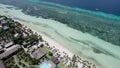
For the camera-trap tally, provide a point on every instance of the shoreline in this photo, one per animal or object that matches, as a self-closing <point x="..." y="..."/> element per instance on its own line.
<point x="57" y="45"/>
<point x="49" y="40"/>
<point x="100" y="60"/>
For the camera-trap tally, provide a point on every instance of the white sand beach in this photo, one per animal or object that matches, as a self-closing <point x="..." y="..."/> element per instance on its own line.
<point x="49" y="40"/>
<point x="91" y="48"/>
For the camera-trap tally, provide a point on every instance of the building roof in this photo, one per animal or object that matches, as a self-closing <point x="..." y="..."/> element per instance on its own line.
<point x="3" y="22"/>
<point x="38" y="54"/>
<point x="6" y="27"/>
<point x="9" y="51"/>
<point x="22" y="30"/>
<point x="55" y="60"/>
<point x="9" y="44"/>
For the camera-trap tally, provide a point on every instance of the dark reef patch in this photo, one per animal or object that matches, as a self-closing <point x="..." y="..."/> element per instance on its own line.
<point x="96" y="50"/>
<point x="104" y="28"/>
<point x="9" y="7"/>
<point x="81" y="41"/>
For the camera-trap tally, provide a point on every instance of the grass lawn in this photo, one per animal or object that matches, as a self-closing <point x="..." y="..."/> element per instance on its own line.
<point x="10" y="63"/>
<point x="61" y="65"/>
<point x="44" y="49"/>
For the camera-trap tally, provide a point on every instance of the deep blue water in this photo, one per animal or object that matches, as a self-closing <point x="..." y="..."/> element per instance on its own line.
<point x="107" y="6"/>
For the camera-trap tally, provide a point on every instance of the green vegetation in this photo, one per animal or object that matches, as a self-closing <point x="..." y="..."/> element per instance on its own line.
<point x="40" y="38"/>
<point x="10" y="63"/>
<point x="24" y="57"/>
<point x="61" y="65"/>
<point x="9" y="33"/>
<point x="50" y="53"/>
<point x="18" y="40"/>
<point x="74" y="60"/>
<point x="30" y="39"/>
<point x="15" y="30"/>
<point x="19" y="58"/>
<point x="18" y="23"/>
<point x="42" y="45"/>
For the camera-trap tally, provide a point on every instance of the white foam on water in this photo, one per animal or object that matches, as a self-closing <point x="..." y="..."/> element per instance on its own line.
<point x="76" y="41"/>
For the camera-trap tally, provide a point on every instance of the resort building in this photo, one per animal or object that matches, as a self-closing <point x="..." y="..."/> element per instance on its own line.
<point x="3" y="22"/>
<point x="8" y="45"/>
<point x="38" y="54"/>
<point x="9" y="51"/>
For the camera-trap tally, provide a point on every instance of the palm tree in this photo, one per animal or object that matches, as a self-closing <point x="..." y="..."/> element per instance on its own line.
<point x="74" y="60"/>
<point x="40" y="38"/>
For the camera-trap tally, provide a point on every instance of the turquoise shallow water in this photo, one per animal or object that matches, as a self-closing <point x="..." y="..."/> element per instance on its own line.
<point x="89" y="47"/>
<point x="107" y="6"/>
<point x="99" y="13"/>
<point x="78" y="20"/>
<point x="83" y="20"/>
